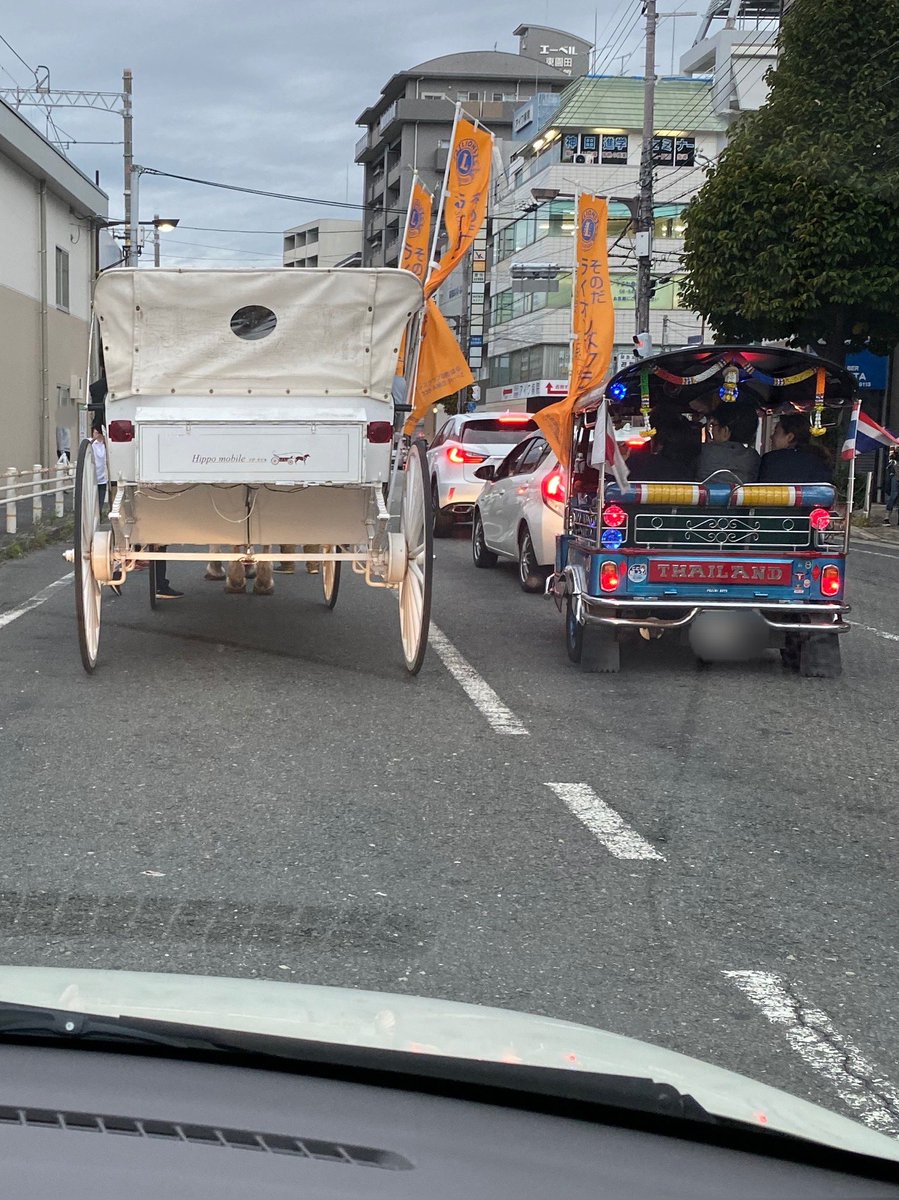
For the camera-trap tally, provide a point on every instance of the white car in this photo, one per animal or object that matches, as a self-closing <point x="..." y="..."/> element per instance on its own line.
<point x="465" y="443"/>
<point x="520" y="511"/>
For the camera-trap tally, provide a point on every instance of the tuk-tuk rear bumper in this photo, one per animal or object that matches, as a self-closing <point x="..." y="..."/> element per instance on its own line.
<point x="807" y="616"/>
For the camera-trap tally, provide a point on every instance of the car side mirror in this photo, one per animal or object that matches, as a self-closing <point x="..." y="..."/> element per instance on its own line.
<point x="487" y="472"/>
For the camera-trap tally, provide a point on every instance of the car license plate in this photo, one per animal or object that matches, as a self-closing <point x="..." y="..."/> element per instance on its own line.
<point x="697" y="571"/>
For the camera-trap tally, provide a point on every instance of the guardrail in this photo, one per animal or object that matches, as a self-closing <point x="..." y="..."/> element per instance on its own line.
<point x="43" y="482"/>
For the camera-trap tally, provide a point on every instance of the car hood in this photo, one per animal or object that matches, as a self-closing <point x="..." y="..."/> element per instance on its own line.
<point x="351" y="1017"/>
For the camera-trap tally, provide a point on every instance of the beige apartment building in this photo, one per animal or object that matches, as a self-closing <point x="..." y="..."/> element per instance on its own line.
<point x="51" y="214"/>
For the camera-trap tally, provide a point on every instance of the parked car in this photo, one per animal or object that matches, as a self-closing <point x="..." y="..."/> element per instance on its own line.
<point x="519" y="512"/>
<point x="465" y="443"/>
<point x="521" y="508"/>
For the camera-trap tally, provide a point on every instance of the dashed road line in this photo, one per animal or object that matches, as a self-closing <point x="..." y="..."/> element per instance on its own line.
<point x="890" y="637"/>
<point x="478" y="690"/>
<point x="812" y="1035"/>
<point x="34" y="601"/>
<point x="877" y="553"/>
<point x="606" y="824"/>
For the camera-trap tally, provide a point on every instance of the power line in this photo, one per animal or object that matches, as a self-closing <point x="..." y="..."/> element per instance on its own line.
<point x="233" y="187"/>
<point x="18" y="55"/>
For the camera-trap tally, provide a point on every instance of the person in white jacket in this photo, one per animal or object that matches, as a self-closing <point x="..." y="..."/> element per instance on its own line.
<point x="98" y="445"/>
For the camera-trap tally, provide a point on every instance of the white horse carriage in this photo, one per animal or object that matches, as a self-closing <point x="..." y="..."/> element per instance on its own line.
<point x="255" y="409"/>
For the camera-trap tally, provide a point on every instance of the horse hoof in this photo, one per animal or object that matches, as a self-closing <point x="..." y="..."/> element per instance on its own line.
<point x="263" y="589"/>
<point x="215" y="576"/>
<point x="232" y="590"/>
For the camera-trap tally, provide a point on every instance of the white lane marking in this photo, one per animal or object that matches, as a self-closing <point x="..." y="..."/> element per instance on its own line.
<point x="481" y="694"/>
<point x="876" y="553"/>
<point x="35" y="601"/>
<point x="812" y="1035"/>
<point x="602" y="820"/>
<point x="890" y="637"/>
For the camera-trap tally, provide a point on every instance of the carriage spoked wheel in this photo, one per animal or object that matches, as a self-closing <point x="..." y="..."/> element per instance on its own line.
<point x="417" y="529"/>
<point x="330" y="577"/>
<point x="87" y="589"/>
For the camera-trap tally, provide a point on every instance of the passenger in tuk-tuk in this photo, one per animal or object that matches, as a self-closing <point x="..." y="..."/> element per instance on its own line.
<point x="795" y="457"/>
<point x="732" y="429"/>
<point x="673" y="456"/>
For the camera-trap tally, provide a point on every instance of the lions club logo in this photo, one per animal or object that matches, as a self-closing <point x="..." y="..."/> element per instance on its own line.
<point x="589" y="222"/>
<point x="467" y="158"/>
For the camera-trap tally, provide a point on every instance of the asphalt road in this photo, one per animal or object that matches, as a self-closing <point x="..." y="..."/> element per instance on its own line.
<point x="253" y="786"/>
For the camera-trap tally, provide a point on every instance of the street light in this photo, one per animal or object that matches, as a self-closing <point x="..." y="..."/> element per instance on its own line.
<point x="160" y="225"/>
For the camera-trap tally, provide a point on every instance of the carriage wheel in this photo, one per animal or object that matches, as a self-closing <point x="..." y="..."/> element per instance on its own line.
<point x="417" y="528"/>
<point x="87" y="590"/>
<point x="330" y="577"/>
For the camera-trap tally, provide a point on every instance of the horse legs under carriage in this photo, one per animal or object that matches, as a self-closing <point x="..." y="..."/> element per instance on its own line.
<point x="258" y="404"/>
<point x="235" y="579"/>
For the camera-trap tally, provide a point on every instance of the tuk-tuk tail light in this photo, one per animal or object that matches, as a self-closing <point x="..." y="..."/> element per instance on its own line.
<point x="613" y="516"/>
<point x="831" y="581"/>
<point x="609" y="576"/>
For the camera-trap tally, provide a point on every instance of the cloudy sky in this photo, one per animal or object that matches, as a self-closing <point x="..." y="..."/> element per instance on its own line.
<point x="265" y="94"/>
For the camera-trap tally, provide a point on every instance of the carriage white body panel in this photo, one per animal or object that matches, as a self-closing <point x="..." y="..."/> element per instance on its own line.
<point x="250" y="452"/>
<point x="336" y="332"/>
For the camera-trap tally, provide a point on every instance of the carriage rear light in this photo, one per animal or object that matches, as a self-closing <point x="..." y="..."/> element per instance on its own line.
<point x="457" y="455"/>
<point x="515" y="419"/>
<point x="609" y="576"/>
<point x="121" y="431"/>
<point x="614" y="516"/>
<point x="552" y="489"/>
<point x="830" y="580"/>
<point x="819" y="519"/>
<point x="379" y="432"/>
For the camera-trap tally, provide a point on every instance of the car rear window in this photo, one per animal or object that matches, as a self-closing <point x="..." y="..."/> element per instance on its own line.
<point x="496" y="431"/>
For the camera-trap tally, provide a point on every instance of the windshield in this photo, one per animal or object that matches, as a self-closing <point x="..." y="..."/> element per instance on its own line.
<point x="317" y="670"/>
<point x="499" y="432"/>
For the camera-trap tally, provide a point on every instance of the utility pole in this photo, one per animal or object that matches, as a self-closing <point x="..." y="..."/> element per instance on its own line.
<point x="645" y="221"/>
<point x="130" y="248"/>
<point x="156" y="239"/>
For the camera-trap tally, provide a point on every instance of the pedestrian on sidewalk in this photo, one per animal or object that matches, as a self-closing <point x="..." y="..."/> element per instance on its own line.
<point x="63" y="443"/>
<point x="98" y="445"/>
<point x="892" y="483"/>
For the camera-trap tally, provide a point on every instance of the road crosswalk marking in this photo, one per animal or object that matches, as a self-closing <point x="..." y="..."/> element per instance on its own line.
<point x="602" y="820"/>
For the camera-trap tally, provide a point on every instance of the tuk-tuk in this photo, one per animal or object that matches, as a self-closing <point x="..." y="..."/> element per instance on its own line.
<point x="734" y="567"/>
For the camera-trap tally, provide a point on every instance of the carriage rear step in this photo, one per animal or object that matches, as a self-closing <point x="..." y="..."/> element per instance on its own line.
<point x="243" y="452"/>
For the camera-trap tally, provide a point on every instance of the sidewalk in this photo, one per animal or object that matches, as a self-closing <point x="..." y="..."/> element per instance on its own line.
<point x="29" y="535"/>
<point x="877" y="531"/>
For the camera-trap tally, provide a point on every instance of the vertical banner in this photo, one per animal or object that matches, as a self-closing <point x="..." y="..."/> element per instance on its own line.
<point x="592" y="323"/>
<point x="464" y="201"/>
<point x="442" y="368"/>
<point x="417" y="238"/>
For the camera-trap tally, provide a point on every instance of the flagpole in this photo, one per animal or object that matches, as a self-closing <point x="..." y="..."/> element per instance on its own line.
<point x="446" y="170"/>
<point x="408" y="214"/>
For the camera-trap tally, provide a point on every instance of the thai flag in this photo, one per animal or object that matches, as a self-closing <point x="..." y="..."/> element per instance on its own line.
<point x="865" y="435"/>
<point x="606" y="452"/>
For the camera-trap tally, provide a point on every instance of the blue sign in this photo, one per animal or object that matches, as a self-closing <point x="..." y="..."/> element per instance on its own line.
<point x="870" y="370"/>
<point x="476" y="339"/>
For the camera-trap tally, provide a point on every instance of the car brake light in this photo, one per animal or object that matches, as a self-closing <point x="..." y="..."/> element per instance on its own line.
<point x="614" y="516"/>
<point x="830" y="580"/>
<point x="379" y="432"/>
<point x="457" y="455"/>
<point x="819" y="519"/>
<point x="121" y="431"/>
<point x="515" y="419"/>
<point x="609" y="576"/>
<point x="552" y="488"/>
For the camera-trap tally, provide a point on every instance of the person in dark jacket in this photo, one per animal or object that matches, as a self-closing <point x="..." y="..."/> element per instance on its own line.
<point x="673" y="457"/>
<point x="794" y="458"/>
<point x="732" y="429"/>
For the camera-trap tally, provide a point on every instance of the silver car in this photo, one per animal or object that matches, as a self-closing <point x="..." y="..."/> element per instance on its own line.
<point x="465" y="443"/>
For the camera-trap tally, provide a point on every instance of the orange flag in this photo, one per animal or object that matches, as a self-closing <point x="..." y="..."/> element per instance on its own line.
<point x="442" y="368"/>
<point x="414" y="257"/>
<point x="593" y="324"/>
<point x="465" y="203"/>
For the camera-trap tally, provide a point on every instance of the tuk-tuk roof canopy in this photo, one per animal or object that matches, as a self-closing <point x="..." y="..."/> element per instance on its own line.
<point x="772" y="377"/>
<point x="297" y="331"/>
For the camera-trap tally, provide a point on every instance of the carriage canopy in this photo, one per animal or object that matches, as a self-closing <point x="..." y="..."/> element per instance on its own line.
<point x="280" y="332"/>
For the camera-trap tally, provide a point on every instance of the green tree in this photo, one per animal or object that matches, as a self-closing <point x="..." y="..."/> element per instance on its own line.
<point x="795" y="233"/>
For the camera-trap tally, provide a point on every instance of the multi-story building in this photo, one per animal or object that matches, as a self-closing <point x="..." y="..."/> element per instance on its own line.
<point x="48" y="254"/>
<point x="324" y="243"/>
<point x="592" y="142"/>
<point x="410" y="125"/>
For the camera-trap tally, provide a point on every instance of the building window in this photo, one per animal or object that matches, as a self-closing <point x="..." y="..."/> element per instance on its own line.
<point x="433" y="96"/>
<point x="312" y="261"/>
<point x="62" y="278"/>
<point x="468" y="95"/>
<point x="504" y="96"/>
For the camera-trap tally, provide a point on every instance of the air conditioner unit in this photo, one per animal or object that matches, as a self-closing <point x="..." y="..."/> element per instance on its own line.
<point x="585" y="158"/>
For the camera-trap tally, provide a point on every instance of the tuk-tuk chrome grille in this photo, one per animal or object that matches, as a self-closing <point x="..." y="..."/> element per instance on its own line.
<point x="695" y="531"/>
